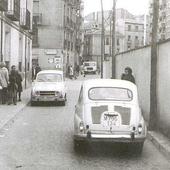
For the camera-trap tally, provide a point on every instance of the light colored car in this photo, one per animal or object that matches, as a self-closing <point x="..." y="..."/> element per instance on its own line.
<point x="90" y="67"/>
<point x="108" y="110"/>
<point x="49" y="86"/>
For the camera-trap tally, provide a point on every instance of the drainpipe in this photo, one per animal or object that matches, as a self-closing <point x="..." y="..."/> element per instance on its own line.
<point x="25" y="62"/>
<point x="26" y="56"/>
<point x="1" y="36"/>
<point x="102" y="40"/>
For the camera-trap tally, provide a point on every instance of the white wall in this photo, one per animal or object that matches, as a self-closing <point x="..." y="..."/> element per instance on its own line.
<point x="139" y="61"/>
<point x="164" y="87"/>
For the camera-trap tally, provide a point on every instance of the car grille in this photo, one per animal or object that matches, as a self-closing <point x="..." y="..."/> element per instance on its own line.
<point x="47" y="93"/>
<point x="89" y="68"/>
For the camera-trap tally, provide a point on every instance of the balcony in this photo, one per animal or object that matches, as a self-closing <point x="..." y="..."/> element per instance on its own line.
<point x="13" y="10"/>
<point x="3" y="5"/>
<point x="37" y="18"/>
<point x="25" y="19"/>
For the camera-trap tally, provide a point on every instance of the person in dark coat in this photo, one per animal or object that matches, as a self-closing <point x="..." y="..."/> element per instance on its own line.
<point x="128" y="75"/>
<point x="12" y="87"/>
<point x="19" y="84"/>
<point x="37" y="69"/>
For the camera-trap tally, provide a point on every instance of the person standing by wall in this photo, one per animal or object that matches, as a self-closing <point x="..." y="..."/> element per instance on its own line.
<point x="19" y="84"/>
<point x="4" y="78"/>
<point x="37" y="69"/>
<point x="127" y="75"/>
<point x="12" y="87"/>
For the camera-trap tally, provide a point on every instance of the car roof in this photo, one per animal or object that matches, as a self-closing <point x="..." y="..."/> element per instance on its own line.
<point x="109" y="83"/>
<point x="51" y="71"/>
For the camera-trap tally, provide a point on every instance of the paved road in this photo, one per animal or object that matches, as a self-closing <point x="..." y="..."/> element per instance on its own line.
<point x="41" y="139"/>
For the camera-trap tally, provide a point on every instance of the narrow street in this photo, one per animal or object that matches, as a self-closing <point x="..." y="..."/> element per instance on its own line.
<point x="42" y="139"/>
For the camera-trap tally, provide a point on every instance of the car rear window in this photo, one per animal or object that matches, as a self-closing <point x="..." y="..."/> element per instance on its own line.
<point x="89" y="64"/>
<point x="110" y="93"/>
<point x="49" y="77"/>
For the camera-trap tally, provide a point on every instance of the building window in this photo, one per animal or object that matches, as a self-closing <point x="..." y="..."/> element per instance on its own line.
<point x="136" y="37"/>
<point x="129" y="37"/>
<point x="129" y="27"/>
<point x="136" y="28"/>
<point x="28" y="66"/>
<point x="20" y="67"/>
<point x="118" y="42"/>
<point x="107" y="41"/>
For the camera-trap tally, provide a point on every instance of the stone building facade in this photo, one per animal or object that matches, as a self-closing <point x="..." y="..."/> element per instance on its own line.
<point x="57" y="39"/>
<point x="15" y="36"/>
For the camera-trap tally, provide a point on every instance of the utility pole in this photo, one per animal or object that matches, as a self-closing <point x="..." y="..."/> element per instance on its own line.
<point x="113" y="38"/>
<point x="2" y="36"/>
<point x="153" y="82"/>
<point x="102" y="40"/>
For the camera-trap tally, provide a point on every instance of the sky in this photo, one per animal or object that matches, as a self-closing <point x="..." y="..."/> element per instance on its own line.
<point x="133" y="6"/>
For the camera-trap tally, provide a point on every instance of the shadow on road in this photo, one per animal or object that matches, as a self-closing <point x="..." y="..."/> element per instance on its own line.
<point x="116" y="150"/>
<point x="46" y="104"/>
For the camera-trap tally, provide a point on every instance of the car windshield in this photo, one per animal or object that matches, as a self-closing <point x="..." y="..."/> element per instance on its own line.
<point x="110" y="93"/>
<point x="49" y="77"/>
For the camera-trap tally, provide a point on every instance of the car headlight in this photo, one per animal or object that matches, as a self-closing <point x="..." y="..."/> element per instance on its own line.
<point x="57" y="93"/>
<point x="36" y="93"/>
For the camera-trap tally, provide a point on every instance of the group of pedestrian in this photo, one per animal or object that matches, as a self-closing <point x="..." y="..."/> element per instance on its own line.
<point x="73" y="72"/>
<point x="10" y="85"/>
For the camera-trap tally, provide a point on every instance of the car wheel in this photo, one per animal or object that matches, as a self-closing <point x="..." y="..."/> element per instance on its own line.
<point x="77" y="145"/>
<point x="65" y="97"/>
<point x="138" y="147"/>
<point x="32" y="103"/>
<point x="63" y="103"/>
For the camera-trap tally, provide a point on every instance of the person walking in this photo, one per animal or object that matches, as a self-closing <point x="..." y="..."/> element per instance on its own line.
<point x="4" y="78"/>
<point x="12" y="87"/>
<point x="127" y="75"/>
<point x="37" y="69"/>
<point x="71" y="73"/>
<point x="19" y="84"/>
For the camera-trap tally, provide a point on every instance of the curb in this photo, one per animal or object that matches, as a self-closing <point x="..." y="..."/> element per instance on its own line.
<point x="161" y="142"/>
<point x="13" y="117"/>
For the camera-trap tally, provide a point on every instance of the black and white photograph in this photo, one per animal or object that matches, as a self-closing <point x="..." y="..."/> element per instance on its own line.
<point x="84" y="84"/>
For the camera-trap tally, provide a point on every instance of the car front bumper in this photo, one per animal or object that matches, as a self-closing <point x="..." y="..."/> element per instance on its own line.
<point x="46" y="98"/>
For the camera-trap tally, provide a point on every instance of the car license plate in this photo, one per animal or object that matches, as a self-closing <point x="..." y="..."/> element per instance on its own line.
<point x="110" y="119"/>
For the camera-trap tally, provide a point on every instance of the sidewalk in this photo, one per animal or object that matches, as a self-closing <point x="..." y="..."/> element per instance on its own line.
<point x="9" y="112"/>
<point x="161" y="142"/>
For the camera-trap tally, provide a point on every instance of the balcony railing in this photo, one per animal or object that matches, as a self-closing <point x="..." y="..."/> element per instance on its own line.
<point x="13" y="10"/>
<point x="3" y="5"/>
<point x="37" y="18"/>
<point x="25" y="18"/>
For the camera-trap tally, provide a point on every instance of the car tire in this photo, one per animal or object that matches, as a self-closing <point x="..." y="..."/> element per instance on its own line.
<point x="63" y="103"/>
<point x="32" y="103"/>
<point x="77" y="145"/>
<point x="138" y="147"/>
